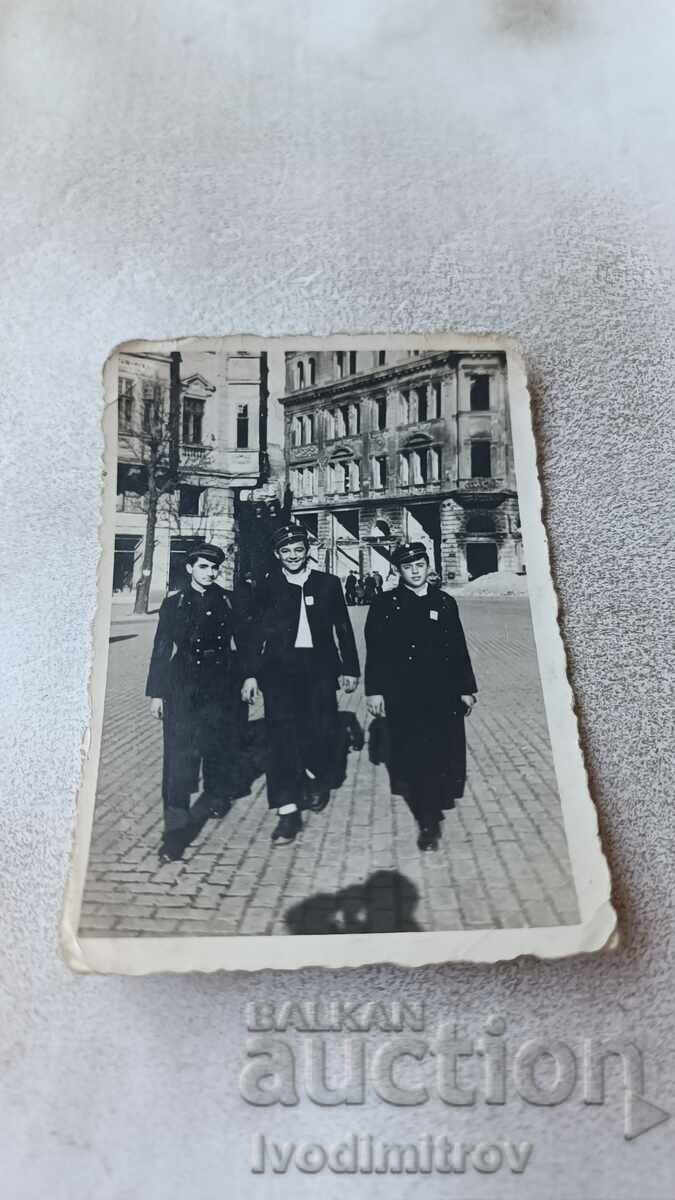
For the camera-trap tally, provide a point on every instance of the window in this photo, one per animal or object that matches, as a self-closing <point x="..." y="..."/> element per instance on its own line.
<point x="352" y="362"/>
<point x="242" y="426"/>
<point x="418" y="467"/>
<point x="125" y="402"/>
<point x="404" y="408"/>
<point x="152" y="405"/>
<point x="339" y="363"/>
<point x="189" y="499"/>
<point x="330" y="426"/>
<point x="435" y="399"/>
<point x="302" y="481"/>
<point x="354" y="477"/>
<point x="422" y="403"/>
<point x="342" y="421"/>
<point x="480" y="393"/>
<point x="379" y="472"/>
<point x="312" y="371"/>
<point x="381" y="358"/>
<point x="193" y="415"/>
<point x="308" y="429"/>
<point x="300" y="374"/>
<point x="380" y="412"/>
<point x="354" y="418"/>
<point x="481" y="460"/>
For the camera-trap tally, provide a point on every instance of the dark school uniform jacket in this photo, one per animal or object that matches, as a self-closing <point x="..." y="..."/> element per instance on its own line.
<point x="274" y="625"/>
<point x="193" y="645"/>
<point x="417" y="642"/>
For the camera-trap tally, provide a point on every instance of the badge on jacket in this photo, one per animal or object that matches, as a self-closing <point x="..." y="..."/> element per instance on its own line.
<point x="309" y="600"/>
<point x="433" y="615"/>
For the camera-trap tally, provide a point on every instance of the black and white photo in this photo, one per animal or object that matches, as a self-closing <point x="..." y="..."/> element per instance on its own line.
<point x="331" y="719"/>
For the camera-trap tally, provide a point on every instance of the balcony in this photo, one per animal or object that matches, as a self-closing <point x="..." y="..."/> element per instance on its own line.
<point x="194" y="456"/>
<point x="487" y="483"/>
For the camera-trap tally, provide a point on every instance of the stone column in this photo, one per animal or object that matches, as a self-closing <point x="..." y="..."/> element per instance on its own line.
<point x="511" y="555"/>
<point x="453" y="562"/>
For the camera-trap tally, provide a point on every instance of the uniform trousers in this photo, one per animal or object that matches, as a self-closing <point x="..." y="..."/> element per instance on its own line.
<point x="427" y="757"/>
<point x="301" y="718"/>
<point x="201" y="726"/>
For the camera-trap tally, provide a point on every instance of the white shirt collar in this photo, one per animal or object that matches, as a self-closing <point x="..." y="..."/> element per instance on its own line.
<point x="299" y="578"/>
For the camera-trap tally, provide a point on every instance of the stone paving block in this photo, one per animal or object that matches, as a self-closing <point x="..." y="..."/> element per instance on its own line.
<point x="148" y="889"/>
<point x="95" y="924"/>
<point x="145" y="925"/>
<point x="255" y="921"/>
<point x="539" y="913"/>
<point x="232" y="906"/>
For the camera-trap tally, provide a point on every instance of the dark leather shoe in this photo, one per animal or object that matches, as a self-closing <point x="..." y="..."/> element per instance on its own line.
<point x="317" y="799"/>
<point x="171" y="850"/>
<point x="287" y="828"/>
<point x="429" y="836"/>
<point x="218" y="806"/>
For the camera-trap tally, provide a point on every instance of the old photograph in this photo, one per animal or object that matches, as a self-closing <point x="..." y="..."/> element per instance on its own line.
<point x="329" y="693"/>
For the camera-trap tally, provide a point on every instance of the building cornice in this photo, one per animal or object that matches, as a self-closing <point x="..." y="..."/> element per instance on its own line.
<point x="371" y="380"/>
<point x="382" y="377"/>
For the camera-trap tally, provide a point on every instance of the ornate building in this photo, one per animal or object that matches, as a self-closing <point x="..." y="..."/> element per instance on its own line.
<point x="382" y="447"/>
<point x="219" y="452"/>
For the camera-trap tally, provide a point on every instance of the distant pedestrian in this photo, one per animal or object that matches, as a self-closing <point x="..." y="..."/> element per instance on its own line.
<point x="369" y="589"/>
<point x="379" y="583"/>
<point x="350" y="588"/>
<point x="419" y="675"/>
<point x="359" y="592"/>
<point x="194" y="685"/>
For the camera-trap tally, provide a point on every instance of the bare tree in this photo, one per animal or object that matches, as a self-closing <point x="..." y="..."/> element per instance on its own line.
<point x="149" y="438"/>
<point x="160" y="443"/>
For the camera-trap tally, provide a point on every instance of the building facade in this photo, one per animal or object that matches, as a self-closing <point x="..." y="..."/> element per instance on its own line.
<point x="382" y="447"/>
<point x="219" y="455"/>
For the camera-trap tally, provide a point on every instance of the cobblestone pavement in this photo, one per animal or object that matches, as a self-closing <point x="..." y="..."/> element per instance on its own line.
<point x="502" y="863"/>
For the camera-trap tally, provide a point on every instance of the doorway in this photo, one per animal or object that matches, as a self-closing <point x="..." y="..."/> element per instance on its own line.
<point x="481" y="559"/>
<point x="123" y="565"/>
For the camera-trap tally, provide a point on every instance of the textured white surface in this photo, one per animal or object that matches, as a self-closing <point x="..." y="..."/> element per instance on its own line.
<point x="302" y="167"/>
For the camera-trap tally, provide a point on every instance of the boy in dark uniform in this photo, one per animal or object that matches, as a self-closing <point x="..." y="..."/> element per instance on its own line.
<point x="194" y="685"/>
<point x="419" y="674"/>
<point x="302" y="647"/>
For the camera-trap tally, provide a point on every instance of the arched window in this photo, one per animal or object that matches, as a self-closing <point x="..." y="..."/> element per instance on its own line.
<point x="312" y="371"/>
<point x="380" y="529"/>
<point x="300" y="374"/>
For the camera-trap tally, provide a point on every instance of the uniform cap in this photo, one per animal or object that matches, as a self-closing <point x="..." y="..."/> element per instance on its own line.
<point x="289" y="533"/>
<point x="207" y="550"/>
<point x="408" y="552"/>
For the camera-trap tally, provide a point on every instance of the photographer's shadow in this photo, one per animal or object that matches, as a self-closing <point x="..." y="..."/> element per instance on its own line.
<point x="384" y="903"/>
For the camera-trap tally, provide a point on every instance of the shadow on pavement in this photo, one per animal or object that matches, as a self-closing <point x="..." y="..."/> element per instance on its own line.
<point x="384" y="903"/>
